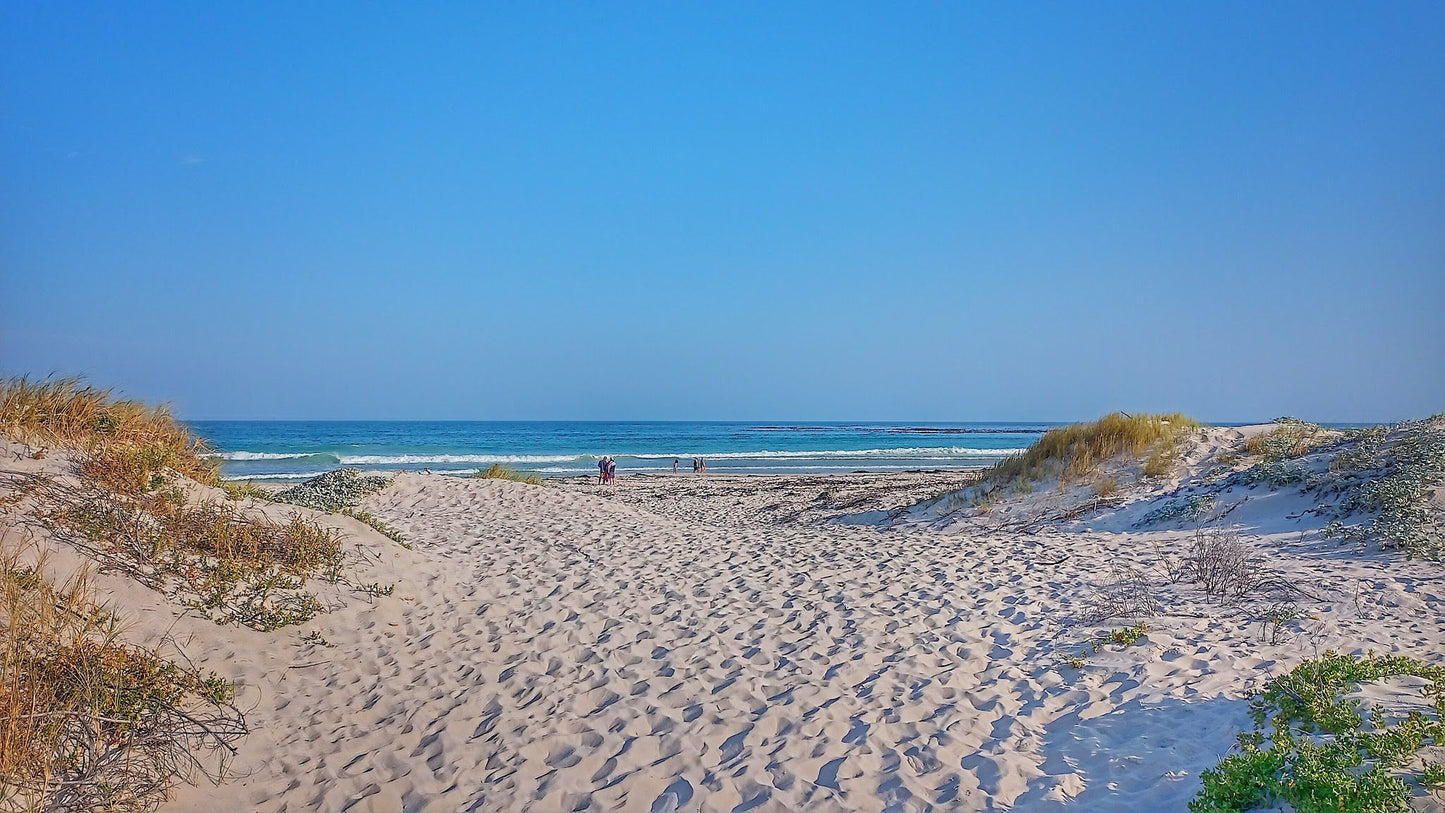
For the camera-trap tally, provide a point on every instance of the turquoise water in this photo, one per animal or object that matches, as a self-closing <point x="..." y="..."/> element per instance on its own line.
<point x="298" y="449"/>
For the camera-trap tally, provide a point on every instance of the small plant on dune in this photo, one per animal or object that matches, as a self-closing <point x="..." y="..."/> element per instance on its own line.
<point x="1181" y="509"/>
<point x="377" y="525"/>
<point x="1313" y="749"/>
<point x="377" y="589"/>
<point x="1276" y="617"/>
<point x="1223" y="566"/>
<point x="1074" y="451"/>
<point x="87" y="721"/>
<point x="1290" y="438"/>
<point x="1105" y="487"/>
<point x="1125" y="636"/>
<point x="1128" y="594"/>
<point x="236" y="491"/>
<point x="499" y="472"/>
<point x="315" y="638"/>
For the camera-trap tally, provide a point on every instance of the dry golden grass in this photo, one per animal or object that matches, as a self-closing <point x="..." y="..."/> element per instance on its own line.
<point x="236" y="491"/>
<point x="87" y="721"/>
<point x="1074" y="451"/>
<point x="130" y="510"/>
<point x="1105" y="486"/>
<point x="499" y="472"/>
<point x="1289" y="439"/>
<point x="230" y="564"/>
<point x="69" y="413"/>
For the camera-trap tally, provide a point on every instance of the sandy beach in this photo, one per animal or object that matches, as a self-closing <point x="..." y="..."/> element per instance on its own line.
<point x="731" y="643"/>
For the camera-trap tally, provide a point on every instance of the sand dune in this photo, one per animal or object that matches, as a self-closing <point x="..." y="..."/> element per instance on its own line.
<point x="675" y="645"/>
<point x="554" y="650"/>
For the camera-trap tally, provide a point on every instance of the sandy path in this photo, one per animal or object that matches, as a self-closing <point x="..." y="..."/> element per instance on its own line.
<point x="554" y="650"/>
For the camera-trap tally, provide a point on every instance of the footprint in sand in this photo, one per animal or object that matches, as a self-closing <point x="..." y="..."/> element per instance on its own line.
<point x="671" y="800"/>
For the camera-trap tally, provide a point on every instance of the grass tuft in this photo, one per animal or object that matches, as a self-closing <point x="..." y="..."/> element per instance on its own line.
<point x="1074" y="451"/>
<point x="377" y="525"/>
<point x="236" y="491"/>
<point x="499" y="472"/>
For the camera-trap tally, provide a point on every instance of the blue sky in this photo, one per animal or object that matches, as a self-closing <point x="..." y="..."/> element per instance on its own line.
<point x="736" y="211"/>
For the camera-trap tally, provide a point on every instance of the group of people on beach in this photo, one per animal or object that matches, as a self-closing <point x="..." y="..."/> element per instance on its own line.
<point x="607" y="468"/>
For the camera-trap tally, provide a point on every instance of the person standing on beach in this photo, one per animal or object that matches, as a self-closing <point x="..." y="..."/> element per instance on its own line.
<point x="611" y="469"/>
<point x="674" y="465"/>
<point x="601" y="470"/>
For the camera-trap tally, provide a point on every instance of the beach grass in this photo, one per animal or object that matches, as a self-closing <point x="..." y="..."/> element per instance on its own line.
<point x="1074" y="451"/>
<point x="236" y="490"/>
<point x="129" y="506"/>
<point x="233" y="566"/>
<point x="88" y="721"/>
<point x="69" y="413"/>
<point x="499" y="472"/>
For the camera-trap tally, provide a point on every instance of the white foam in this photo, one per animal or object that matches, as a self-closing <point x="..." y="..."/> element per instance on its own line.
<point x="268" y="455"/>
<point x="416" y="459"/>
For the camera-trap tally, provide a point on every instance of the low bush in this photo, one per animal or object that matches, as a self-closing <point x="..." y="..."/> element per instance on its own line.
<point x="1400" y="495"/>
<point x="1290" y="438"/>
<point x="333" y="491"/>
<point x="87" y="721"/>
<point x="236" y="491"/>
<point x="127" y="507"/>
<point x="1180" y="509"/>
<point x="1313" y="749"/>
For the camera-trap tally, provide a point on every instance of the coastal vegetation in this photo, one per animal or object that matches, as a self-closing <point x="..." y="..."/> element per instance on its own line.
<point x="1319" y="749"/>
<point x="499" y="472"/>
<point x="132" y="516"/>
<point x="89" y="722"/>
<point x="236" y="490"/>
<point x="1075" y="451"/>
<point x="1378" y="483"/>
<point x="128" y="497"/>
<point x="333" y="491"/>
<point x="71" y="414"/>
<point x="376" y="524"/>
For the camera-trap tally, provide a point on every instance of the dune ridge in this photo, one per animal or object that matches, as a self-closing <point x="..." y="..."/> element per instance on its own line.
<point x="719" y="645"/>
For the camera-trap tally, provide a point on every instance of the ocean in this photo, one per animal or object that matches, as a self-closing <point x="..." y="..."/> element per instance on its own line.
<point x="294" y="450"/>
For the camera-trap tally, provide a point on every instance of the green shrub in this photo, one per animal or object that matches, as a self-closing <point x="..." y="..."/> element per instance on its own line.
<point x="1312" y="749"/>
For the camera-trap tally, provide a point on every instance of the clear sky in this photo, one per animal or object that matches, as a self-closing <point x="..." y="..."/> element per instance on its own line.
<point x="940" y="211"/>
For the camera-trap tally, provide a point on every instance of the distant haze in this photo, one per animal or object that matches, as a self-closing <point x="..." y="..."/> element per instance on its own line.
<point x="669" y="211"/>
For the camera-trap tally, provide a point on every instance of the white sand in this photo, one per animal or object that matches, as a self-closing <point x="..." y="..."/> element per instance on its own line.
<point x="557" y="649"/>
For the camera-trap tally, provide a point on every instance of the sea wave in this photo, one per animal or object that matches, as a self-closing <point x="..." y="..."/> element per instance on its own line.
<point x="318" y="456"/>
<point x="918" y="453"/>
<point x="912" y="453"/>
<point x="415" y="459"/>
